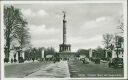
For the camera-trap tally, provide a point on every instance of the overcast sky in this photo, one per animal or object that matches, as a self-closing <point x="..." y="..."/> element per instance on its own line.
<point x="85" y="27"/>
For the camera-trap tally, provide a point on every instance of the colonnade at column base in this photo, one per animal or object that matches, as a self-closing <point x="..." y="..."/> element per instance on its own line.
<point x="65" y="48"/>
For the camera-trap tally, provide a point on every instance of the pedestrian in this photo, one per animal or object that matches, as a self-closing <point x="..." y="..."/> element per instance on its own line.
<point x="54" y="61"/>
<point x="33" y="59"/>
<point x="83" y="60"/>
<point x="11" y="60"/>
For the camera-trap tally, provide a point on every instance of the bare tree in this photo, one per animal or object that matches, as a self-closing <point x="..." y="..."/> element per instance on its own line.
<point x="121" y="26"/>
<point x="107" y="39"/>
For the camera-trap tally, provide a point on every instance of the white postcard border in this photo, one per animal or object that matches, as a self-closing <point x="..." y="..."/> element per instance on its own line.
<point x="124" y="2"/>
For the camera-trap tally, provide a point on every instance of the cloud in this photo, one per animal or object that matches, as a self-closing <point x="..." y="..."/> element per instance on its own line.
<point x="42" y="13"/>
<point x="28" y="12"/>
<point x="42" y="30"/>
<point x="31" y="13"/>
<point x="90" y="33"/>
<point x="85" y="43"/>
<point x="99" y="26"/>
<point x="85" y="27"/>
<point x="101" y="19"/>
<point x="98" y="22"/>
<point x="46" y="43"/>
<point x="43" y="36"/>
<point x="78" y="40"/>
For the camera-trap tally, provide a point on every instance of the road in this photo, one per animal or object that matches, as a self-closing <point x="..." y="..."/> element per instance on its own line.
<point x="79" y="70"/>
<point x="38" y="70"/>
<point x="55" y="70"/>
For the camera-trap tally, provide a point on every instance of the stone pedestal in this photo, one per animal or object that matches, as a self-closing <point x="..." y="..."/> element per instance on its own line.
<point x="90" y="53"/>
<point x="65" y="48"/>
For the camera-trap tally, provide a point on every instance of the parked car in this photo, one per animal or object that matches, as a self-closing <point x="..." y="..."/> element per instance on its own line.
<point x="84" y="60"/>
<point x="103" y="61"/>
<point x="82" y="56"/>
<point x="116" y="63"/>
<point x="97" y="61"/>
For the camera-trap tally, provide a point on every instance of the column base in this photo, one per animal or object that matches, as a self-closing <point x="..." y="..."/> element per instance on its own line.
<point x="65" y="48"/>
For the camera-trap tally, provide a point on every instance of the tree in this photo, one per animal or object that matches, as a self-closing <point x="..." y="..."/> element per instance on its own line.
<point x="100" y="52"/>
<point x="121" y="26"/>
<point x="83" y="52"/>
<point x="107" y="39"/>
<point x="49" y="50"/>
<point x="22" y="35"/>
<point x="119" y="40"/>
<point x="13" y="22"/>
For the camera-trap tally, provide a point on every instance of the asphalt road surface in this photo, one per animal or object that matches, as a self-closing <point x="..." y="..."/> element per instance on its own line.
<point x="54" y="70"/>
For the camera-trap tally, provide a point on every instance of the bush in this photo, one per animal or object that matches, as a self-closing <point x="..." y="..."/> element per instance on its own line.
<point x="15" y="60"/>
<point x="6" y="60"/>
<point x="21" y="60"/>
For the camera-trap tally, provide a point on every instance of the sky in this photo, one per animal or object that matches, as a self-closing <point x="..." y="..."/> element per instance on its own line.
<point x="86" y="23"/>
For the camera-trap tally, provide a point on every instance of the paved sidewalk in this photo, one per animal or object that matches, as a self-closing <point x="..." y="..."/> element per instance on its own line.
<point x="55" y="70"/>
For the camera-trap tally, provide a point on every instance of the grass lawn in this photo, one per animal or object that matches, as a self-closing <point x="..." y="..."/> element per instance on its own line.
<point x="79" y="70"/>
<point x="23" y="69"/>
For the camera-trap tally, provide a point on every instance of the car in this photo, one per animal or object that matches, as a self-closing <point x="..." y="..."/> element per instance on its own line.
<point x="82" y="57"/>
<point x="103" y="61"/>
<point x="116" y="63"/>
<point x="85" y="60"/>
<point x="97" y="61"/>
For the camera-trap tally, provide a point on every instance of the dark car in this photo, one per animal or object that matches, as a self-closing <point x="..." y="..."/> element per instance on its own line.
<point x="84" y="60"/>
<point x="97" y="61"/>
<point x="116" y="63"/>
<point x="21" y="60"/>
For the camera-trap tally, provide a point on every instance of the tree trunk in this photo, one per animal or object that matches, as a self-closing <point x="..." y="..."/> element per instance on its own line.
<point x="117" y="53"/>
<point x="7" y="48"/>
